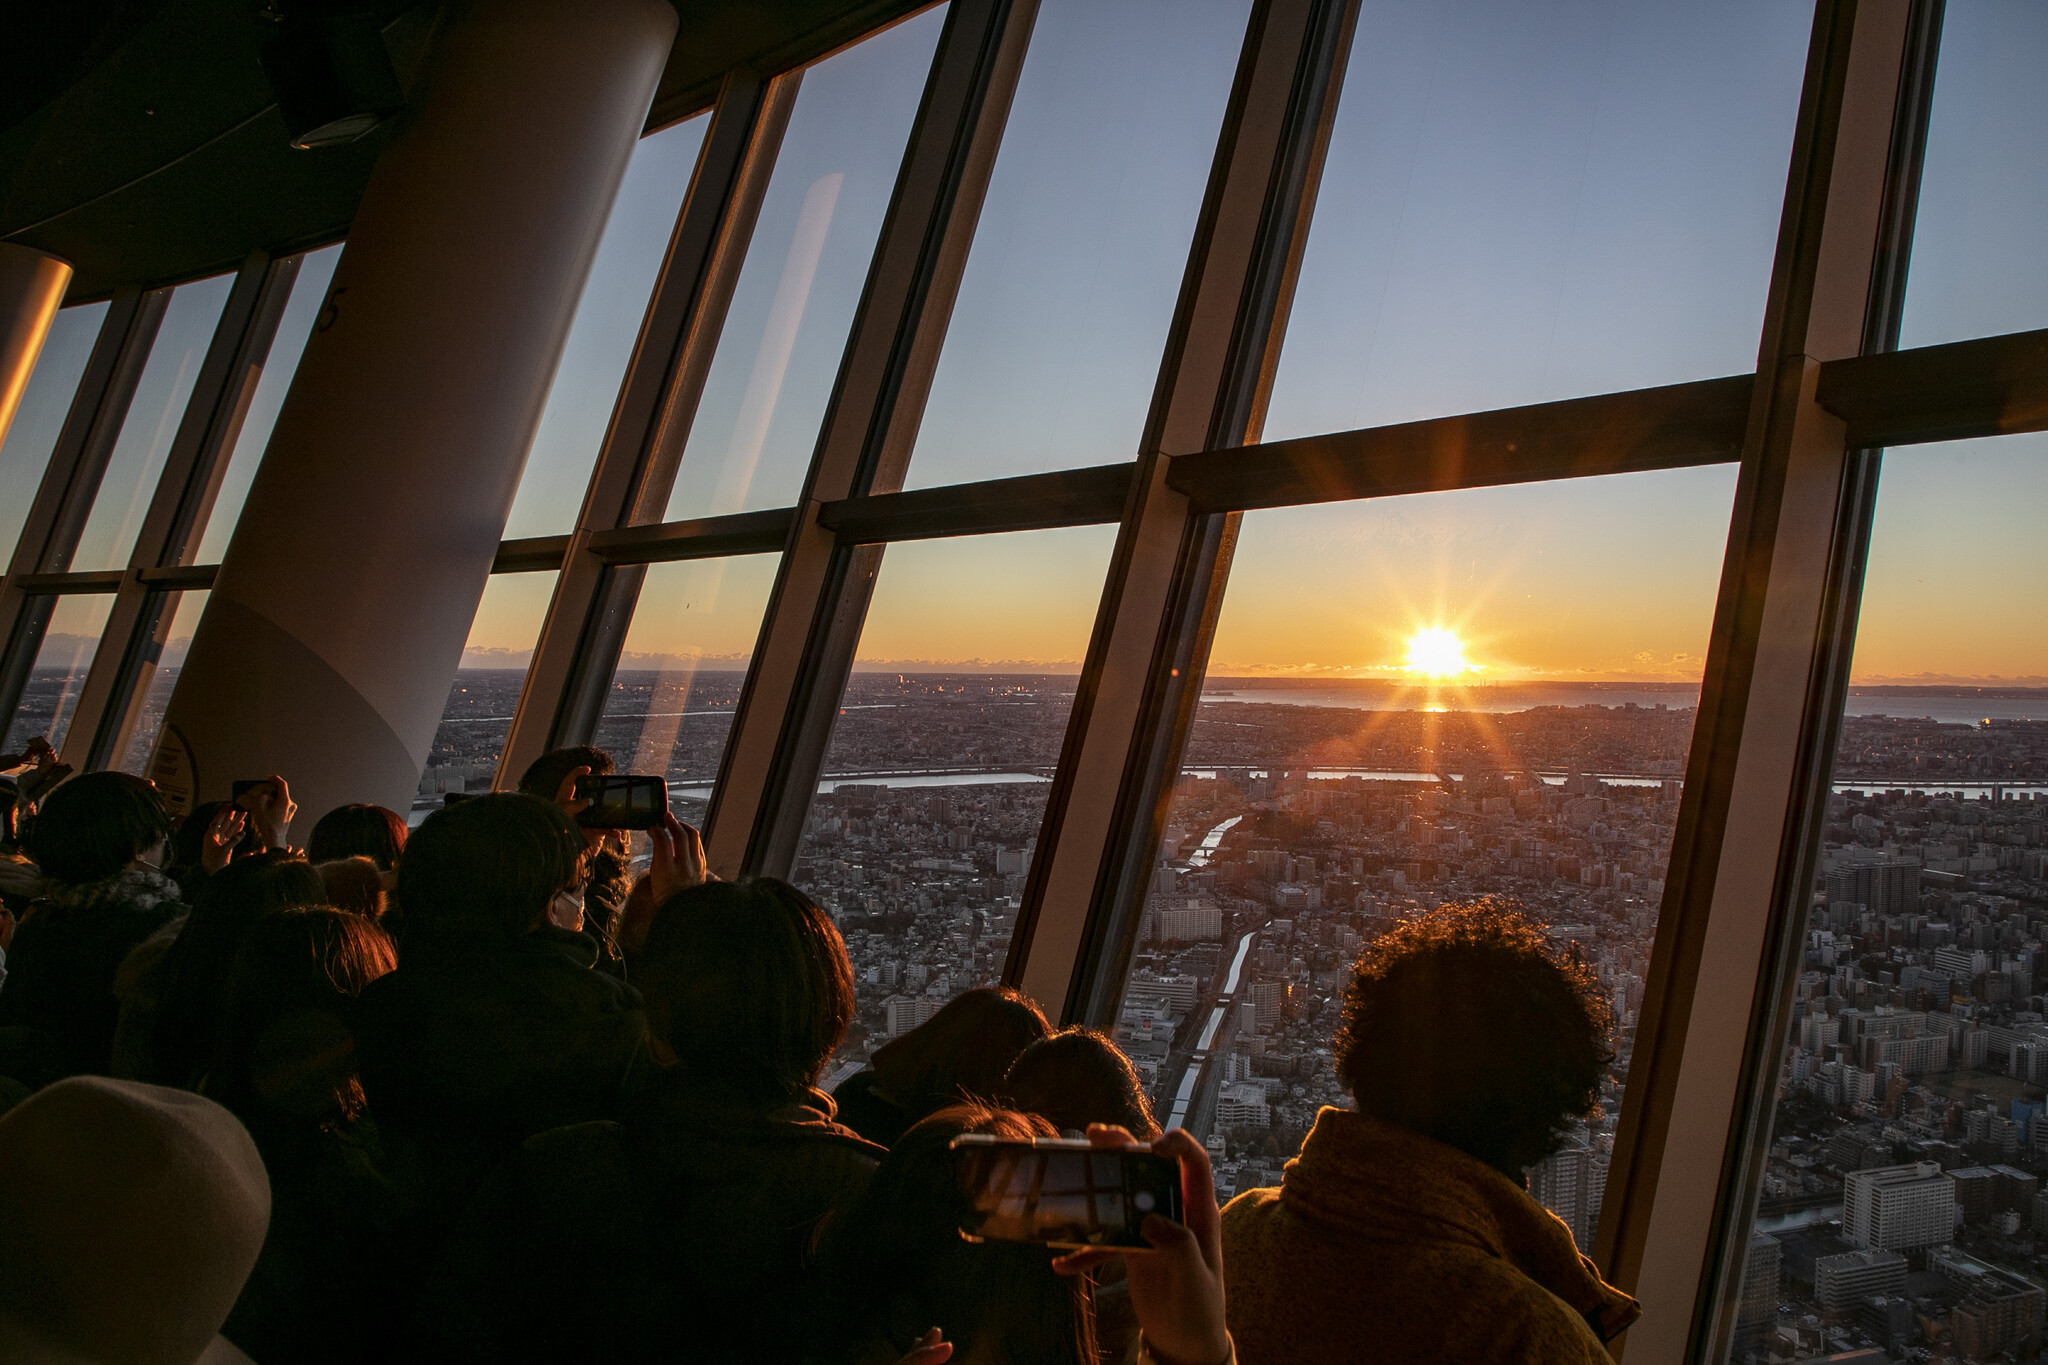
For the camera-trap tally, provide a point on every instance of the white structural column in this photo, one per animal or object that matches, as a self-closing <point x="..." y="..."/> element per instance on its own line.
<point x="340" y="611"/>
<point x="32" y="286"/>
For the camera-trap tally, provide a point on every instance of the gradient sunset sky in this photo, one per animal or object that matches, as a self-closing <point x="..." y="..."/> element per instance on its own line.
<point x="1521" y="203"/>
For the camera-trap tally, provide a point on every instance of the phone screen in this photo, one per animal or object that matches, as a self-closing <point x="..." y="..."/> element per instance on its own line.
<point x="622" y="801"/>
<point x="1062" y="1193"/>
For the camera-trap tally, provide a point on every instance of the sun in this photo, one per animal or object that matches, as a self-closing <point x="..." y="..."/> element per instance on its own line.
<point x="1437" y="653"/>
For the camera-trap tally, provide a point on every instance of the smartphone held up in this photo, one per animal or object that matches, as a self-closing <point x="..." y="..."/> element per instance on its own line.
<point x="622" y="801"/>
<point x="1062" y="1192"/>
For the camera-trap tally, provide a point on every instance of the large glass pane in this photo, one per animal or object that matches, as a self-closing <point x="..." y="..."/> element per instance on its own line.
<point x="158" y="681"/>
<point x="1978" y="268"/>
<point x="935" y="782"/>
<point x="806" y="266"/>
<point x="678" y="681"/>
<point x="44" y="406"/>
<point x="301" y="311"/>
<point x="1901" y="1206"/>
<point x="58" y="674"/>
<point x="1411" y="701"/>
<point x="1056" y="336"/>
<point x="152" y="423"/>
<point x="607" y="323"/>
<point x="1532" y="202"/>
<point x="486" y="689"/>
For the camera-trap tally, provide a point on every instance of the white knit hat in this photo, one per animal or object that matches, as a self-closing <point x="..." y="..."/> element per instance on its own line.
<point x="130" y="1215"/>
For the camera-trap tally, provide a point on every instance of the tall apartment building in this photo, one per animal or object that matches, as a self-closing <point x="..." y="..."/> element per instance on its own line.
<point x="1760" y="1283"/>
<point x="1885" y="888"/>
<point x="1899" y="1208"/>
<point x="1570" y="1184"/>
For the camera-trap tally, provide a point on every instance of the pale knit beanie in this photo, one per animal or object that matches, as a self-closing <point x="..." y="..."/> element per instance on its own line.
<point x="130" y="1215"/>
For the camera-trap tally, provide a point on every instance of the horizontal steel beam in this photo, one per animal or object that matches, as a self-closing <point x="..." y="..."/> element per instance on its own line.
<point x="1066" y="497"/>
<point x="741" y="533"/>
<point x="1670" y="427"/>
<point x="52" y="584"/>
<point x="1990" y="387"/>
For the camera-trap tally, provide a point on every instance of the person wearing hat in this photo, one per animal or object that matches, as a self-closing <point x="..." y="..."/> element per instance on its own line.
<point x="130" y="1215"/>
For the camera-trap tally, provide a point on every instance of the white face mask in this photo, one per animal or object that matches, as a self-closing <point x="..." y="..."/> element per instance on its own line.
<point x="565" y="911"/>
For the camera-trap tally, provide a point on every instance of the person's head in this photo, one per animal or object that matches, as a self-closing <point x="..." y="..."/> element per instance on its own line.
<point x="962" y="1052"/>
<point x="95" y="825"/>
<point x="188" y="845"/>
<point x="489" y="869"/>
<point x="1464" y="1025"/>
<point x="130" y="1215"/>
<point x="748" y="984"/>
<point x="283" y="1042"/>
<point x="358" y="831"/>
<point x="1077" y="1077"/>
<point x="896" y="1256"/>
<point x="353" y="884"/>
<point x="543" y="777"/>
<point x="195" y="967"/>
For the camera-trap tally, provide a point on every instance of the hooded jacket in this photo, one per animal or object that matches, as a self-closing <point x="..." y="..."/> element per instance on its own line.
<point x="1384" y="1245"/>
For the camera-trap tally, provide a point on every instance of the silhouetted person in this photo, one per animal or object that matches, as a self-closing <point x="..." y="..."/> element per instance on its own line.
<point x="170" y="989"/>
<point x="99" y="840"/>
<point x="325" y="1287"/>
<point x="358" y="831"/>
<point x="552" y="777"/>
<point x="1077" y="1077"/>
<point x="682" y="1231"/>
<point x="961" y="1053"/>
<point x="1404" y="1232"/>
<point x="494" y="1027"/>
<point x="898" y="1264"/>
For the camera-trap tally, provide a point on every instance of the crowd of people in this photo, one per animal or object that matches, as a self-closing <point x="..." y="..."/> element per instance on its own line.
<point x="479" y="1092"/>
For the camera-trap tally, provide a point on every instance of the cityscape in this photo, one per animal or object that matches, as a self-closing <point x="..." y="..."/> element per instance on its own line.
<point x="1902" y="1215"/>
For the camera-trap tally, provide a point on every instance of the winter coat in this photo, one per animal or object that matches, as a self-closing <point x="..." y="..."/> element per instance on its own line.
<point x="681" y="1233"/>
<point x="469" y="1049"/>
<point x="61" y="967"/>
<point x="1383" y="1245"/>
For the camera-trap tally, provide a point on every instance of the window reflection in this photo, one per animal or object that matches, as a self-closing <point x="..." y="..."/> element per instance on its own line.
<point x="806" y="266"/>
<point x="940" y="761"/>
<point x="608" y="319"/>
<point x="1056" y="336"/>
<point x="1411" y="701"/>
<point x="152" y="423"/>
<point x="1900" y="1204"/>
<point x="40" y="417"/>
<point x="160" y="679"/>
<point x="678" y="682"/>
<point x="309" y="293"/>
<point x="1532" y="202"/>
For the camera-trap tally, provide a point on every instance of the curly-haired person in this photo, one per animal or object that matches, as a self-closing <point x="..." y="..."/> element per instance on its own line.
<point x="1403" y="1231"/>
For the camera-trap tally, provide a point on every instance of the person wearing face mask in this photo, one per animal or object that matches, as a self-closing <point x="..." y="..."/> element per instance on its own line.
<point x="495" y="1027"/>
<point x="99" y="840"/>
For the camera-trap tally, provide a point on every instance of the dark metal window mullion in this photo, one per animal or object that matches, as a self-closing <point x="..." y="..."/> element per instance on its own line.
<point x="592" y="607"/>
<point x="71" y="480"/>
<point x="179" y="507"/>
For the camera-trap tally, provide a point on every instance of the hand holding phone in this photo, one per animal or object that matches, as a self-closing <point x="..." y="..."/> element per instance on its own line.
<point x="1060" y="1192"/>
<point x="621" y="801"/>
<point x="269" y="803"/>
<point x="1177" y="1291"/>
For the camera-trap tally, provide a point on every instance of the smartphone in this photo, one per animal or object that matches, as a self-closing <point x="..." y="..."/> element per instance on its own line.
<point x="622" y="801"/>
<point x="1061" y="1191"/>
<point x="243" y="786"/>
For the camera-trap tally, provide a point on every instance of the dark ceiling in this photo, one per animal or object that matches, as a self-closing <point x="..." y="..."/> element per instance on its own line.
<point x="139" y="140"/>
